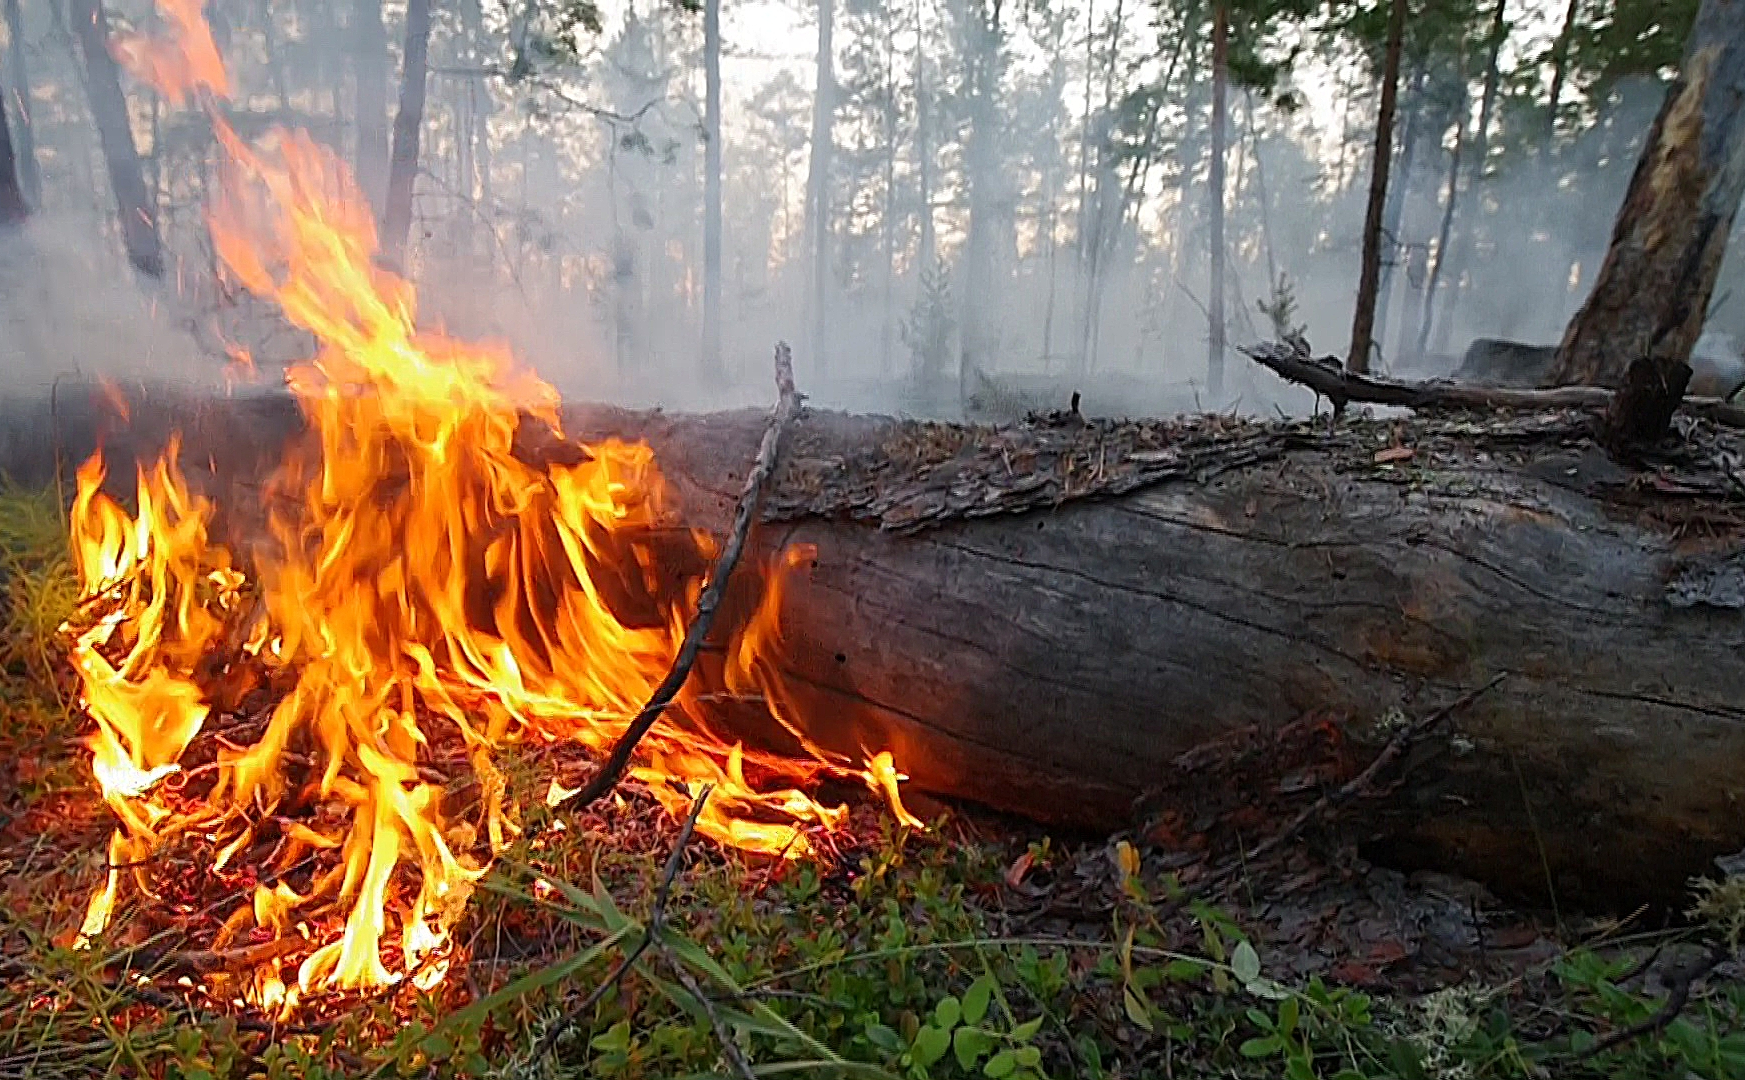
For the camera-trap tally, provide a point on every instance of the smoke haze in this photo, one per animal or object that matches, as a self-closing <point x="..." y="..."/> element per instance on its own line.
<point x="562" y="210"/>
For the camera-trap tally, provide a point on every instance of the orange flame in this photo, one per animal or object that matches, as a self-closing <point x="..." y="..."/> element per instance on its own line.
<point x="181" y="63"/>
<point x="423" y="590"/>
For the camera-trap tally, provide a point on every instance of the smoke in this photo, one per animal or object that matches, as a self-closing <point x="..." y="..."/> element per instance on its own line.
<point x="562" y="213"/>
<point x="70" y="311"/>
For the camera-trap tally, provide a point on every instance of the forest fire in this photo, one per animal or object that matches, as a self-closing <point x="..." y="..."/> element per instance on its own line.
<point x="424" y="596"/>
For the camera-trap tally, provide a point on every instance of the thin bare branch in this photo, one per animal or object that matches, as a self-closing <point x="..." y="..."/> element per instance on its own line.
<point x="750" y="501"/>
<point x="1341" y="387"/>
<point x="656" y="922"/>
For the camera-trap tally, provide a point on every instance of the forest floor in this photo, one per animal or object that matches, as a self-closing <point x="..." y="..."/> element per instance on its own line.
<point x="976" y="947"/>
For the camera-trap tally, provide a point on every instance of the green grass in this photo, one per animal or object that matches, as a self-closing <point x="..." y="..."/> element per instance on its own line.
<point x="892" y="961"/>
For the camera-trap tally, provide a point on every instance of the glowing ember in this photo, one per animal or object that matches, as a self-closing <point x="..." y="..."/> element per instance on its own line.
<point x="423" y="597"/>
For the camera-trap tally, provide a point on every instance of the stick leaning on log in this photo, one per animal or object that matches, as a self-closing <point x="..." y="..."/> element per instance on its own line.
<point x="745" y="513"/>
<point x="1327" y="378"/>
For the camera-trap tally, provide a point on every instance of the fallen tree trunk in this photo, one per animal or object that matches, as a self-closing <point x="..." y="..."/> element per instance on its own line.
<point x="1077" y="621"/>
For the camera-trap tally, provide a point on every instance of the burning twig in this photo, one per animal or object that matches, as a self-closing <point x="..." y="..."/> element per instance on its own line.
<point x="744" y="514"/>
<point x="656" y="921"/>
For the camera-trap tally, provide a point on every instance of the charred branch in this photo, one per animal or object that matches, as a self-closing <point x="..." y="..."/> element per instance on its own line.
<point x="745" y="513"/>
<point x="1343" y="387"/>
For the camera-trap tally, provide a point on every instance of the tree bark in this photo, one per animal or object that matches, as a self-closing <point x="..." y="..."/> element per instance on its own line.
<point x="1446" y="232"/>
<point x="1215" y="203"/>
<point x="1559" y="68"/>
<point x="1100" y="219"/>
<point x="408" y="127"/>
<point x="1394" y="209"/>
<point x="137" y="214"/>
<point x="926" y="248"/>
<point x="981" y="174"/>
<point x="1461" y="245"/>
<point x="1363" y="321"/>
<point x="13" y="207"/>
<point x="1082" y="661"/>
<point x="24" y="133"/>
<point x="369" y="44"/>
<point x="469" y="123"/>
<point x="711" y="359"/>
<point x="888" y="215"/>
<point x="1652" y="291"/>
<point x="818" y="183"/>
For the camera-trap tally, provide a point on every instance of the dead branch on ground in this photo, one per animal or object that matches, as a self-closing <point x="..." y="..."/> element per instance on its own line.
<point x="723" y="1034"/>
<point x="1326" y="377"/>
<point x="656" y="922"/>
<point x="1678" y="996"/>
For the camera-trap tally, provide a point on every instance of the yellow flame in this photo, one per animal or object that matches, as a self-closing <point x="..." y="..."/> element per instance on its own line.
<point x="425" y="590"/>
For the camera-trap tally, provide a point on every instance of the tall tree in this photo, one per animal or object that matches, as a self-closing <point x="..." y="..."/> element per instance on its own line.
<point x="1559" y="67"/>
<point x="134" y="207"/>
<point x="818" y="182"/>
<point x="1102" y="147"/>
<point x="926" y="339"/>
<point x="712" y="189"/>
<point x="13" y="207"/>
<point x="1400" y="176"/>
<point x="981" y="35"/>
<point x="1652" y="293"/>
<point x="926" y="253"/>
<point x="1215" y="200"/>
<point x="408" y="126"/>
<point x="1363" y="322"/>
<point x="1452" y="192"/>
<point x="369" y="65"/>
<point x="888" y="209"/>
<point x="18" y="88"/>
<point x="1460" y="245"/>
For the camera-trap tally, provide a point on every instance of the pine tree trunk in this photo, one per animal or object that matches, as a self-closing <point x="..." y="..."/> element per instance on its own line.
<point x="1399" y="179"/>
<point x="711" y="360"/>
<point x="1215" y="203"/>
<point x="888" y="215"/>
<point x="13" y="207"/>
<point x="931" y="373"/>
<point x="1652" y="293"/>
<point x="1363" y="323"/>
<point x="1460" y="253"/>
<point x="369" y="43"/>
<point x="1051" y="213"/>
<point x="926" y="254"/>
<point x="818" y="183"/>
<point x="1559" y="69"/>
<point x="137" y="213"/>
<point x="469" y="125"/>
<point x="980" y="176"/>
<point x="24" y="133"/>
<point x="1446" y="231"/>
<point x="1097" y="226"/>
<point x="1264" y="200"/>
<point x="408" y="126"/>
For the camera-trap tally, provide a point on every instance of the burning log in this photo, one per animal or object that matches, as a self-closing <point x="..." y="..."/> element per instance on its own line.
<point x="1078" y="621"/>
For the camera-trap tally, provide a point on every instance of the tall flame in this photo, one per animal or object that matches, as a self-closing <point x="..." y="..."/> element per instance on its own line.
<point x="423" y="588"/>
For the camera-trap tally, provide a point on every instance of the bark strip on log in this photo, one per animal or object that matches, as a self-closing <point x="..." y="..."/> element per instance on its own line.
<point x="1065" y="663"/>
